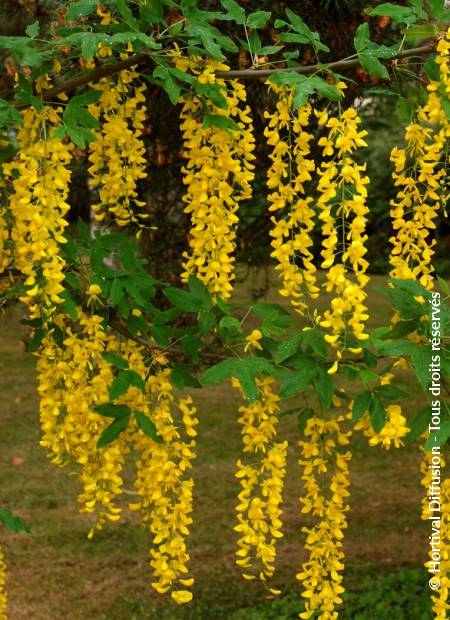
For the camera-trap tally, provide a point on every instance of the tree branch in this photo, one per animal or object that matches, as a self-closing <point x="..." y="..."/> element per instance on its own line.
<point x="252" y="74"/>
<point x="245" y="74"/>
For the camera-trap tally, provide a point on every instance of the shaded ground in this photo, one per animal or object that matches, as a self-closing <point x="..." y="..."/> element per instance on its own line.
<point x="55" y="573"/>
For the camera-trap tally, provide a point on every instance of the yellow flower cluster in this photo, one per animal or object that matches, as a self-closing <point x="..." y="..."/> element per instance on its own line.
<point x="165" y="493"/>
<point x="117" y="157"/>
<point x="3" y="596"/>
<point x="5" y="252"/>
<point x="421" y="178"/>
<point x="73" y="379"/>
<point x="342" y="211"/>
<point x="218" y="176"/>
<point x="395" y="428"/>
<point x="392" y="433"/>
<point x="326" y="480"/>
<point x="290" y="169"/>
<point x="259" y="508"/>
<point x="432" y="466"/>
<point x="39" y="178"/>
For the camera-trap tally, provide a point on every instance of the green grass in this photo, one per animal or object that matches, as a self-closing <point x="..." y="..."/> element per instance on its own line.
<point x="56" y="573"/>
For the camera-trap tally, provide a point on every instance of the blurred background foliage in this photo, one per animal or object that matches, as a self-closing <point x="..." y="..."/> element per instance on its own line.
<point x="384" y="115"/>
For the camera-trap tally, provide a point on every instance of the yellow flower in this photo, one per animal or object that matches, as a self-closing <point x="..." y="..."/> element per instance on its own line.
<point x="259" y="501"/>
<point x="326" y="480"/>
<point x="3" y="597"/>
<point x="93" y="292"/>
<point x="291" y="167"/>
<point x="252" y="340"/>
<point x="218" y="175"/>
<point x="117" y="156"/>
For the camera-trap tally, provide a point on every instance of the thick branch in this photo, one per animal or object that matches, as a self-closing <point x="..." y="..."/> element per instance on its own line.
<point x="245" y="74"/>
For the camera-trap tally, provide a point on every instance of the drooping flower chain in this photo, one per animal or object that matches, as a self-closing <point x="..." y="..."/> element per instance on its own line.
<point x="326" y="480"/>
<point x="218" y="175"/>
<point x="117" y="156"/>
<point x="342" y="210"/>
<point x="437" y="491"/>
<point x="290" y="169"/>
<point x="164" y="491"/>
<point x="262" y="480"/>
<point x="73" y="380"/>
<point x="39" y="178"/>
<point x="3" y="595"/>
<point x="420" y="174"/>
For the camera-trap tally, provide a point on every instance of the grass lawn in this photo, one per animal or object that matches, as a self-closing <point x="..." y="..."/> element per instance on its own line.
<point x="55" y="573"/>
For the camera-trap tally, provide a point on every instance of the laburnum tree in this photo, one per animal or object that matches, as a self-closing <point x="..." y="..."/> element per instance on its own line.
<point x="116" y="346"/>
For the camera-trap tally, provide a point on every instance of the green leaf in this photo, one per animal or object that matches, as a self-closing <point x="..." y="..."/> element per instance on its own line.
<point x="235" y="11"/>
<point x="372" y="65"/>
<point x="377" y="415"/>
<point x="361" y="404"/>
<point x="297" y="382"/>
<point x="220" y="121"/>
<point x="438" y="438"/>
<point x="443" y="285"/>
<point x="391" y="392"/>
<point x="258" y="19"/>
<point x="80" y="9"/>
<point x="398" y="14"/>
<point x="113" y="411"/>
<point x="219" y="372"/>
<point x="419" y="33"/>
<point x="324" y="386"/>
<point x="431" y="70"/>
<point x="148" y="427"/>
<point x="421" y="360"/>
<point x="303" y="417"/>
<point x="13" y="523"/>
<point x="396" y="349"/>
<point x="230" y="327"/>
<point x="420" y="424"/>
<point x="89" y="44"/>
<point x="126" y="14"/>
<point x="439" y="10"/>
<point x="115" y="360"/>
<point x="182" y="377"/>
<point x="287" y="348"/>
<point x="69" y="304"/>
<point x="314" y="338"/>
<point x="191" y="346"/>
<point x="184" y="300"/>
<point x="199" y="290"/>
<point x="206" y="321"/>
<point x="32" y="30"/>
<point x="123" y="381"/>
<point x="113" y="431"/>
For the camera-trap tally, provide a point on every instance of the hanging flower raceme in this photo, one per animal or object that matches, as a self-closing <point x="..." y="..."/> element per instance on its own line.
<point x="342" y="211"/>
<point x="72" y="380"/>
<point x="39" y="177"/>
<point x="326" y="480"/>
<point x="165" y="493"/>
<point x="437" y="499"/>
<point x="117" y="156"/>
<point x="395" y="428"/>
<point x="291" y="167"/>
<point x="421" y="178"/>
<point x="218" y="175"/>
<point x="3" y="597"/>
<point x="262" y="479"/>
<point x="5" y="251"/>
